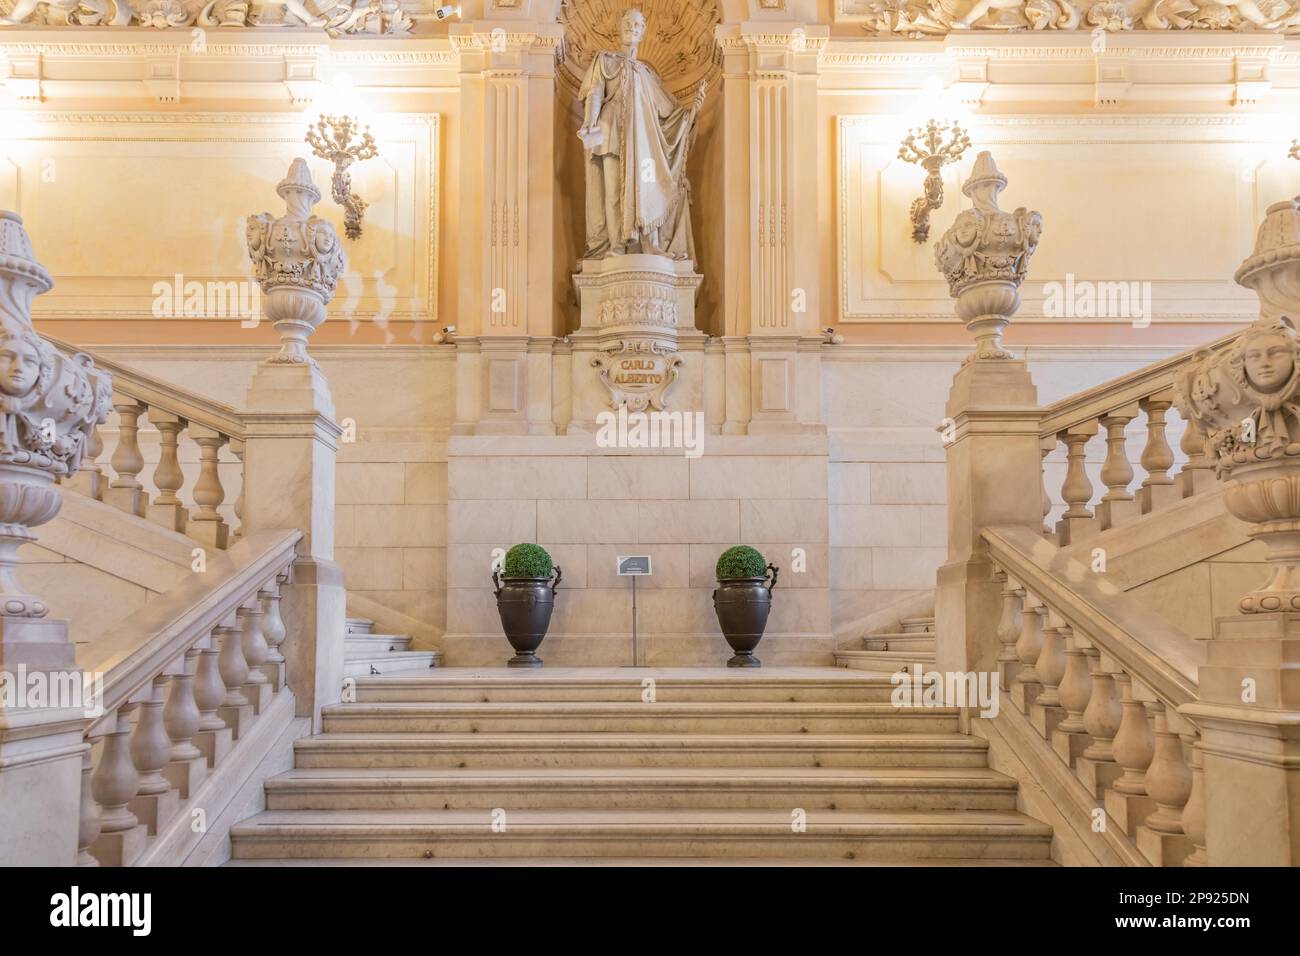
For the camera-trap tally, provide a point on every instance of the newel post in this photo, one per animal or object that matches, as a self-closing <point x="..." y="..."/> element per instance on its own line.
<point x="994" y="462"/>
<point x="1245" y="401"/>
<point x="49" y="406"/>
<point x="291" y="438"/>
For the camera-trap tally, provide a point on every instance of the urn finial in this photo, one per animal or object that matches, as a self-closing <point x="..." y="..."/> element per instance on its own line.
<point x="1272" y="270"/>
<point x="297" y="260"/>
<point x="984" y="255"/>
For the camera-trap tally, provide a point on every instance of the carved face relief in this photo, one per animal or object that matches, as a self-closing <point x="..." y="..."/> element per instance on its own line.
<point x="20" y="366"/>
<point x="1269" y="362"/>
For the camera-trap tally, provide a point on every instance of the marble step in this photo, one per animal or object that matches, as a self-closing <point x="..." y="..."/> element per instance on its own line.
<point x="398" y="662"/>
<point x="884" y="835"/>
<point x="369" y="645"/>
<point x="606" y="717"/>
<point x="360" y="625"/>
<point x="882" y="662"/>
<point x="585" y="788"/>
<point x="639" y="750"/>
<point x="899" y="641"/>
<point x="917" y="625"/>
<point x="464" y="685"/>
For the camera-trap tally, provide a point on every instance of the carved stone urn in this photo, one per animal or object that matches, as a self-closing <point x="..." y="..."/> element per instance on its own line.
<point x="984" y="255"/>
<point x="297" y="260"/>
<point x="49" y="405"/>
<point x="1247" y="401"/>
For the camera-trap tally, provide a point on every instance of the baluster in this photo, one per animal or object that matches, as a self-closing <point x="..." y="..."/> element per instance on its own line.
<point x="237" y="447"/>
<point x="1045" y="448"/>
<point x="181" y="719"/>
<point x="1077" y="522"/>
<point x="181" y="715"/>
<point x="257" y="688"/>
<point x="1169" y="781"/>
<point x="213" y="736"/>
<point x="207" y="525"/>
<point x="235" y="710"/>
<point x="1118" y="506"/>
<point x="1158" y="489"/>
<point x="113" y="785"/>
<point x="125" y="491"/>
<point x="90" y="480"/>
<point x="1051" y="664"/>
<point x="1009" y="626"/>
<point x="1096" y="767"/>
<point x="89" y="823"/>
<point x="167" y="509"/>
<point x="1102" y="716"/>
<point x="151" y="748"/>
<point x="1028" y="646"/>
<point x="1194" y="810"/>
<point x="1196" y="475"/>
<point x="1075" y="690"/>
<point x="273" y="627"/>
<point x="1134" y="744"/>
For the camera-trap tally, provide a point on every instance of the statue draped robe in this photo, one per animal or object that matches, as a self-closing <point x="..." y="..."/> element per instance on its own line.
<point x="637" y="193"/>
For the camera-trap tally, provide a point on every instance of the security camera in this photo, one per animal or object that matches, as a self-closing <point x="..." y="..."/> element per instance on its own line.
<point x="447" y="12"/>
<point x="447" y="336"/>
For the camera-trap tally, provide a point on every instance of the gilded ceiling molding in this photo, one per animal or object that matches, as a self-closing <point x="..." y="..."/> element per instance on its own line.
<point x="929" y="18"/>
<point x="335" y="17"/>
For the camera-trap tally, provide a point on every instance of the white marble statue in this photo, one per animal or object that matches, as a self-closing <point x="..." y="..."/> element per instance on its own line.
<point x="637" y="137"/>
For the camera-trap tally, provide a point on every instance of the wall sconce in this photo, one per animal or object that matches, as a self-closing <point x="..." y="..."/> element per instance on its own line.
<point x="1295" y="149"/>
<point x="331" y="138"/>
<point x="931" y="154"/>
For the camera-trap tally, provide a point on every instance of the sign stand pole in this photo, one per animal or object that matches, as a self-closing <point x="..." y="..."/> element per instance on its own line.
<point x="633" y="566"/>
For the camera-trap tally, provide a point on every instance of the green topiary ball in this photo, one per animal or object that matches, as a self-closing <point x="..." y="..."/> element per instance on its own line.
<point x="742" y="561"/>
<point x="527" y="561"/>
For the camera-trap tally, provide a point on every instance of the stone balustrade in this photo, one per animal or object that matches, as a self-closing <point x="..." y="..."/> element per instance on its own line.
<point x="191" y="429"/>
<point x="177" y="710"/>
<point x="1107" y="710"/>
<point x="1127" y="414"/>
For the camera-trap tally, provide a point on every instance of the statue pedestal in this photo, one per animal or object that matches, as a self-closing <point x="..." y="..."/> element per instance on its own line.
<point x="637" y="343"/>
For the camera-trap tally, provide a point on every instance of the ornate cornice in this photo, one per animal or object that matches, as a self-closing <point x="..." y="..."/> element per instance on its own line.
<point x="335" y="18"/>
<point x="936" y="18"/>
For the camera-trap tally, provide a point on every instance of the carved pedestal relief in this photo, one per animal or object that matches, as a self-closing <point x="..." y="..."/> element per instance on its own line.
<point x="638" y="374"/>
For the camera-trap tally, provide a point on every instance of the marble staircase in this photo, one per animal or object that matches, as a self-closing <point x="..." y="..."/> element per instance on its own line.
<point x="798" y="764"/>
<point x="367" y="653"/>
<point x="890" y="651"/>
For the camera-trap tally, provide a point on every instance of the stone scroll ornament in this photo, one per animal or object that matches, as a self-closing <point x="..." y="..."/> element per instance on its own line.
<point x="50" y="403"/>
<point x="297" y="260"/>
<point x="1246" y="400"/>
<point x="984" y="255"/>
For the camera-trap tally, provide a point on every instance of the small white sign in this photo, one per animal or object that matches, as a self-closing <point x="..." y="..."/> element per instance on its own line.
<point x="633" y="564"/>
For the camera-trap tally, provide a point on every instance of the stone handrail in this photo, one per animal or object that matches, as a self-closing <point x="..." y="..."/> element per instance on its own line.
<point x="177" y="689"/>
<point x="166" y="396"/>
<point x="1108" y="409"/>
<point x="1102" y="680"/>
<point x="1141" y="383"/>
<point x="137" y="649"/>
<point x="174" y="411"/>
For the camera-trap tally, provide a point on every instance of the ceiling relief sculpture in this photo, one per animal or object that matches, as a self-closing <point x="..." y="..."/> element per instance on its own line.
<point x="921" y="18"/>
<point x="678" y="43"/>
<point x="335" y="17"/>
